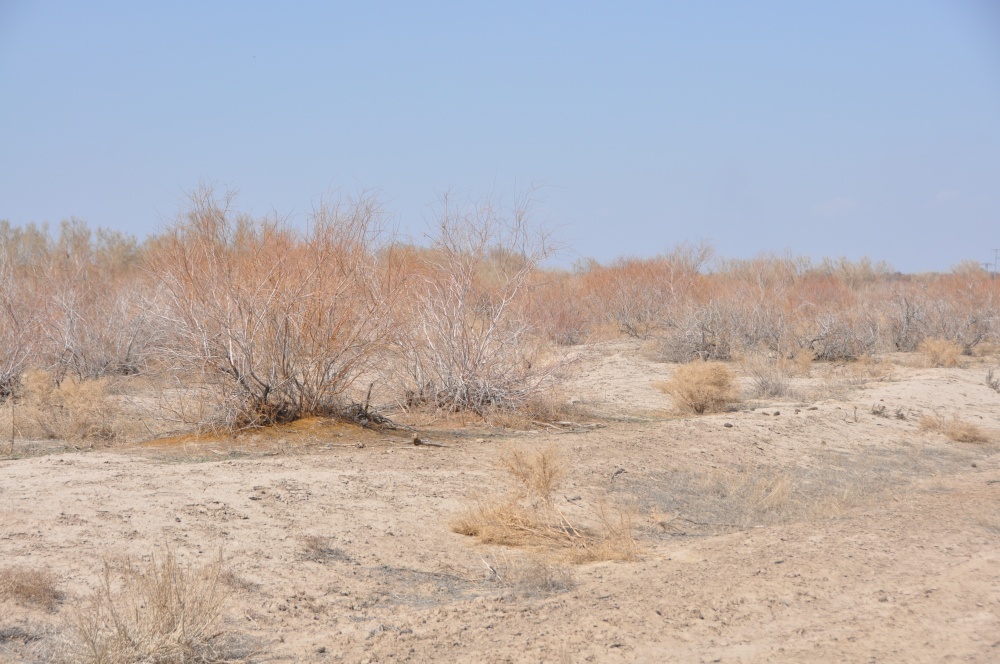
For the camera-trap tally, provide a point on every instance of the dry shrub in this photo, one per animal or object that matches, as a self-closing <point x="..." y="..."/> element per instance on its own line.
<point x="802" y="361"/>
<point x="941" y="352"/>
<point x="769" y="376"/>
<point x="284" y="319"/>
<point x="320" y="549"/>
<point x="640" y="295"/>
<point x="467" y="343"/>
<point x="539" y="473"/>
<point x="73" y="409"/>
<point x="529" y="575"/>
<point x="17" y="326"/>
<point x="954" y="428"/>
<point x="701" y="387"/>
<point x="159" y="612"/>
<point x="538" y="409"/>
<point x="29" y="586"/>
<point x="528" y="517"/>
<point x="868" y="367"/>
<point x="754" y="496"/>
<point x="559" y="307"/>
<point x="992" y="381"/>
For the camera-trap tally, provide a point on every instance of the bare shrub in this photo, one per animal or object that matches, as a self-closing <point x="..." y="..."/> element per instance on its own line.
<point x="73" y="409"/>
<point x="641" y="295"/>
<point x="954" y="428"/>
<point x="527" y="515"/>
<point x="992" y="382"/>
<point x="697" y="332"/>
<point x="701" y="387"/>
<point x="29" y="586"/>
<point x="88" y="294"/>
<point x="159" y="612"/>
<point x="17" y="327"/>
<point x="468" y="344"/>
<point x="284" y="320"/>
<point x="770" y="376"/>
<point x="558" y="306"/>
<point x="941" y="352"/>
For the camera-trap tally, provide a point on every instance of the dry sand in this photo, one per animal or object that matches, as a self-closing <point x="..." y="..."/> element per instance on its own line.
<point x="823" y="533"/>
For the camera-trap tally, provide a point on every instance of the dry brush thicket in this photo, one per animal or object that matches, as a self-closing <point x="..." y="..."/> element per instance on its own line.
<point x="256" y="320"/>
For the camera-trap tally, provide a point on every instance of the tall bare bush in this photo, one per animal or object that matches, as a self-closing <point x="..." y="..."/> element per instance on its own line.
<point x="283" y="320"/>
<point x="17" y="327"/>
<point x="468" y="343"/>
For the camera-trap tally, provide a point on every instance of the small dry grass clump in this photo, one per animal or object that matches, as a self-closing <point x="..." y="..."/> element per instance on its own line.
<point x="32" y="587"/>
<point x="954" y="428"/>
<point x="770" y="376"/>
<point x="941" y="352"/>
<point x="527" y="516"/>
<point x="530" y="575"/>
<point x="702" y="387"/>
<point x="160" y="612"/>
<point x="319" y="549"/>
<point x="71" y="409"/>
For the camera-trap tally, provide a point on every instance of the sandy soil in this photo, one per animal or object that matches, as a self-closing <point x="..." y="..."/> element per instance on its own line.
<point x="880" y="542"/>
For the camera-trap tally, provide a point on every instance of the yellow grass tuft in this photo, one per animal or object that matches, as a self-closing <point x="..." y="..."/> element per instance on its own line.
<point x="954" y="428"/>
<point x="702" y="387"/>
<point x="941" y="352"/>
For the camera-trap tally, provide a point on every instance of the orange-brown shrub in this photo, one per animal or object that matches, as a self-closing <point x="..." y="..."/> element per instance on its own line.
<point x="284" y="320"/>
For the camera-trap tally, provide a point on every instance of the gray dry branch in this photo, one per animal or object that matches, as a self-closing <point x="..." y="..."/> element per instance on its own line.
<point x="469" y="344"/>
<point x="283" y="320"/>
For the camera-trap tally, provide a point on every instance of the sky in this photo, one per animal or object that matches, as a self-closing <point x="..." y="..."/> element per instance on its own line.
<point x="849" y="128"/>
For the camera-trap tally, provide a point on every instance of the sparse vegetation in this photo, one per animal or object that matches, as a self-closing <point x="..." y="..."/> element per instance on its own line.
<point x="992" y="382"/>
<point x="528" y="575"/>
<point x="701" y="387"/>
<point x="72" y="410"/>
<point x="941" y="352"/>
<point x="954" y="428"/>
<point x="274" y="322"/>
<point x="29" y="586"/>
<point x="163" y="611"/>
<point x="528" y="517"/>
<point x="770" y="376"/>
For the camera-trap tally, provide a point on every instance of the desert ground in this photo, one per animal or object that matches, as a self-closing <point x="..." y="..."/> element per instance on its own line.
<point x="826" y="525"/>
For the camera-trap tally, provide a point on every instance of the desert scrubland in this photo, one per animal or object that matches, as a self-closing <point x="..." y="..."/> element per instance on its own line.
<point x="242" y="440"/>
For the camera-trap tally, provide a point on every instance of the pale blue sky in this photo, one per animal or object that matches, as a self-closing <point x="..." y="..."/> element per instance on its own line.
<point x="824" y="128"/>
